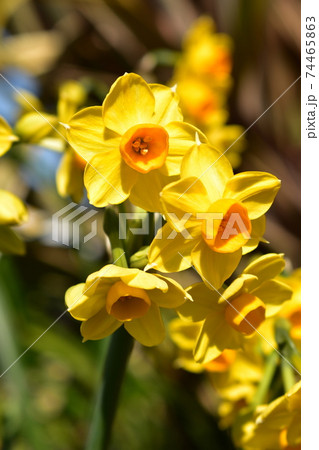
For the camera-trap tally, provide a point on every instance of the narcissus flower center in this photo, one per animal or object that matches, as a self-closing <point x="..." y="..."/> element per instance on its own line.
<point x="126" y="303"/>
<point x="226" y="227"/>
<point x="145" y="147"/>
<point x="245" y="313"/>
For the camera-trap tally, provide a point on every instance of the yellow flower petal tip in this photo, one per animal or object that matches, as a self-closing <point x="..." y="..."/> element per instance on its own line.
<point x="149" y="266"/>
<point x="197" y="140"/>
<point x="6" y="136"/>
<point x="65" y="125"/>
<point x="174" y="88"/>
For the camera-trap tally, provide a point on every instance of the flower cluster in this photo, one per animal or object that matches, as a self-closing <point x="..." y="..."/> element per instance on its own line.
<point x="137" y="150"/>
<point x="203" y="79"/>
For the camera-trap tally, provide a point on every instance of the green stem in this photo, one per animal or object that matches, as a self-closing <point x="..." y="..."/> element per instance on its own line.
<point x="288" y="375"/>
<point x="271" y="365"/>
<point x="118" y="353"/>
<point x="115" y="365"/>
<point x="111" y="227"/>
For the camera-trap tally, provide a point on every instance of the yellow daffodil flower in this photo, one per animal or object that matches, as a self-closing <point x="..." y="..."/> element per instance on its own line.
<point x="276" y="426"/>
<point x="206" y="53"/>
<point x="7" y="137"/>
<point x="116" y="296"/>
<point x="213" y="216"/>
<point x="203" y="77"/>
<point x="12" y="212"/>
<point x="230" y="316"/>
<point x="134" y="142"/>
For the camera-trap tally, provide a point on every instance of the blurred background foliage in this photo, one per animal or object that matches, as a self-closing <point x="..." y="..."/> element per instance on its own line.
<point x="47" y="397"/>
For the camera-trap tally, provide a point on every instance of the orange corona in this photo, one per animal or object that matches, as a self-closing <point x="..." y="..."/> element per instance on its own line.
<point x="126" y="302"/>
<point x="145" y="147"/>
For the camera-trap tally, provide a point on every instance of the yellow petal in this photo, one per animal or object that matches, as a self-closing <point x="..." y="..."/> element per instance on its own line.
<point x="82" y="306"/>
<point x="280" y="412"/>
<point x="294" y="432"/>
<point x="88" y="136"/>
<point x="182" y="137"/>
<point x="99" y="326"/>
<point x="71" y="95"/>
<point x="27" y="101"/>
<point x="6" y="136"/>
<point x="258" y="227"/>
<point x="214" y="267"/>
<point x="229" y="139"/>
<point x="166" y="105"/>
<point x="32" y="127"/>
<point x="12" y="209"/>
<point x="215" y="336"/>
<point x="205" y="301"/>
<point x="148" y="330"/>
<point x="130" y="102"/>
<point x="175" y="295"/>
<point x="108" y="179"/>
<point x="147" y="281"/>
<point x="184" y="334"/>
<point x="256" y="190"/>
<point x="106" y="276"/>
<point x="99" y="282"/>
<point x="73" y="294"/>
<point x="10" y="242"/>
<point x="164" y="252"/>
<point x="146" y="191"/>
<point x="210" y="167"/>
<point x="182" y="200"/>
<point x="69" y="177"/>
<point x="204" y="350"/>
<point x="273" y="293"/>
<point x="267" y="266"/>
<point x="240" y="285"/>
